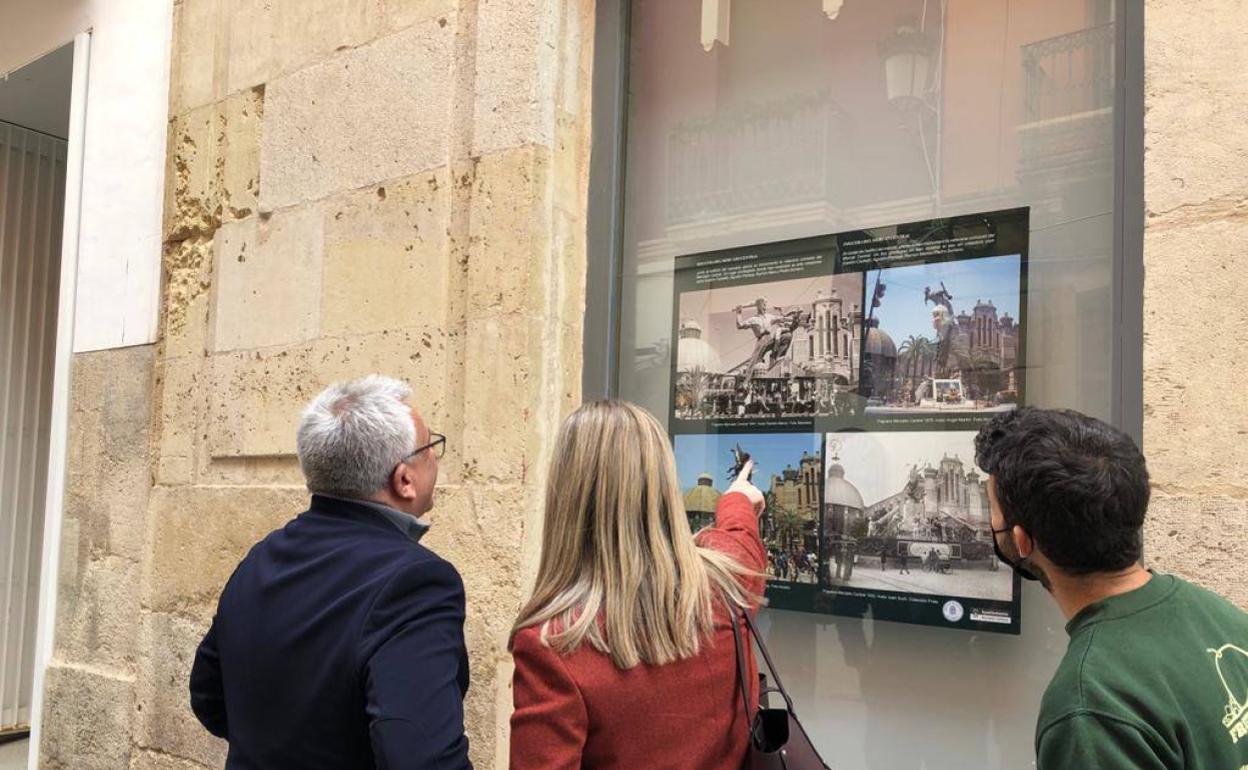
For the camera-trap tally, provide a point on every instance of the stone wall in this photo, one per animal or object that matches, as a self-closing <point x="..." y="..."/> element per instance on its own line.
<point x="354" y="186"/>
<point x="1196" y="274"/>
<point x="90" y="689"/>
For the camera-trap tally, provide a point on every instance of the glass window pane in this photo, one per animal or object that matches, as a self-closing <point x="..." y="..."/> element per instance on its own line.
<point x="824" y="117"/>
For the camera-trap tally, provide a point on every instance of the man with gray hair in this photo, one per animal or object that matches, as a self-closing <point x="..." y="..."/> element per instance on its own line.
<point x="338" y="642"/>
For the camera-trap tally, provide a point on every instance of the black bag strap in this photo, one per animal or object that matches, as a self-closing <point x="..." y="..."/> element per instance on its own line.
<point x="771" y="667"/>
<point x="741" y="679"/>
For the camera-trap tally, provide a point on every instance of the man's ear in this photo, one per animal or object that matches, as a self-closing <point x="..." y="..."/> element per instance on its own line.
<point x="398" y="477"/>
<point x="402" y="482"/>
<point x="1023" y="542"/>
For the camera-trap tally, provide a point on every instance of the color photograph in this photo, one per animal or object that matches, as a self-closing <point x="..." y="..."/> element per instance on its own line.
<point x="788" y="469"/>
<point x="944" y="337"/>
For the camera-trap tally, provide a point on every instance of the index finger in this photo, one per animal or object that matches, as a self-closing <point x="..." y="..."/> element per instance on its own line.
<point x="746" y="470"/>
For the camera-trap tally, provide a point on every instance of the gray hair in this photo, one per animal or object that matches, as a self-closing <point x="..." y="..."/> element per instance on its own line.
<point x="353" y="434"/>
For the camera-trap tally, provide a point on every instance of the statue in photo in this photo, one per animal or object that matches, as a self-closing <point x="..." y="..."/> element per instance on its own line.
<point x="940" y="298"/>
<point x="739" y="458"/>
<point x="764" y="326"/>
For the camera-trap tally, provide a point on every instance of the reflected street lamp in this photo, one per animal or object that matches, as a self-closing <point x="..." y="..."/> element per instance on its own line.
<point x="907" y="59"/>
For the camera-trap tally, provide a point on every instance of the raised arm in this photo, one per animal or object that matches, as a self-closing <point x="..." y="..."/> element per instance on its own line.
<point x="736" y="523"/>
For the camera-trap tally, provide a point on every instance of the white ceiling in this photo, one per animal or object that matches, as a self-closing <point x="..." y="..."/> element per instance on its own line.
<point x="37" y="95"/>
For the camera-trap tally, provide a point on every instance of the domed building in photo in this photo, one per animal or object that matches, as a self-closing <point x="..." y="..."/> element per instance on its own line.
<point x="700" y="502"/>
<point x="843" y="522"/>
<point x="879" y="362"/>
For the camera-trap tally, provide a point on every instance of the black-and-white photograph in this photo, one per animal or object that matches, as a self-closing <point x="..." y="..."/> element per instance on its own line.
<point x="780" y="349"/>
<point x="787" y="467"/>
<point x="908" y="513"/>
<point x="944" y="337"/>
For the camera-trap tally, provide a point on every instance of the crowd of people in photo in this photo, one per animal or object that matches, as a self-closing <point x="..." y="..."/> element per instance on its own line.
<point x="793" y="565"/>
<point x="934" y="560"/>
<point x="787" y="397"/>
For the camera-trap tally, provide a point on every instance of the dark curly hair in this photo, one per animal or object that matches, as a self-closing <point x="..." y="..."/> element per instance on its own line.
<point x="1077" y="485"/>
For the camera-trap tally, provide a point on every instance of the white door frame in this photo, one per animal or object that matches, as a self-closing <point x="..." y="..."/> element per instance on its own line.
<point x="58" y="444"/>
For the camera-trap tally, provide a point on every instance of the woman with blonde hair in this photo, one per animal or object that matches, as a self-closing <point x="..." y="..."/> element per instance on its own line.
<point x="625" y="655"/>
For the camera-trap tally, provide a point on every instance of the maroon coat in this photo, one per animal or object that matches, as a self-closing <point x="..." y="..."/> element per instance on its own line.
<point x="580" y="711"/>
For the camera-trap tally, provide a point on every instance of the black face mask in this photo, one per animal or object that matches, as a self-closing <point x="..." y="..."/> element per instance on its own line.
<point x="1017" y="566"/>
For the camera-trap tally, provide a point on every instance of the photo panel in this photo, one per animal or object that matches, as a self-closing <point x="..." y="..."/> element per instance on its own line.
<point x="768" y="338"/>
<point x="856" y="369"/>
<point x="944" y="330"/>
<point x="906" y="530"/>
<point x="788" y="468"/>
<point x="950" y="351"/>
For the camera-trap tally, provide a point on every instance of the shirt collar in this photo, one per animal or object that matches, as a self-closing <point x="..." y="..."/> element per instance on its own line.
<point x="406" y="523"/>
<point x="1157" y="589"/>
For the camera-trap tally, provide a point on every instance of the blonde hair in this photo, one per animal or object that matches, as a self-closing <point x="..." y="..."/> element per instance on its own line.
<point x="620" y="568"/>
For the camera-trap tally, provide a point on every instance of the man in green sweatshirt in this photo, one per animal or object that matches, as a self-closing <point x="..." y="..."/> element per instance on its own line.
<point x="1156" y="673"/>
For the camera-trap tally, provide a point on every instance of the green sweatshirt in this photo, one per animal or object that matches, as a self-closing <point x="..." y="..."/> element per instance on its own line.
<point x="1156" y="678"/>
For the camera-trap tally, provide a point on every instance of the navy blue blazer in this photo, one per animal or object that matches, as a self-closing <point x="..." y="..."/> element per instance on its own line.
<point x="338" y="643"/>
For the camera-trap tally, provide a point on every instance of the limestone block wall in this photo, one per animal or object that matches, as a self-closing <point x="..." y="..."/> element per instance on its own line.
<point x="353" y="186"/>
<point x="1196" y="275"/>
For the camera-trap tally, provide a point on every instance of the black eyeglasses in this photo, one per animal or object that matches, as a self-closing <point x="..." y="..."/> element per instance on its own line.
<point x="438" y="445"/>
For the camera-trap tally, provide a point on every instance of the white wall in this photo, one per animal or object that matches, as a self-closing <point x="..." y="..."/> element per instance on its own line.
<point x="118" y="289"/>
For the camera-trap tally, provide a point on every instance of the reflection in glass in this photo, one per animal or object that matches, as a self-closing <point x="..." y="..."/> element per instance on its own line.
<point x="820" y="118"/>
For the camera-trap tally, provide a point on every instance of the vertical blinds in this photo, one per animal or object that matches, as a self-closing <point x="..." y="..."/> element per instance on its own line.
<point x="32" y="196"/>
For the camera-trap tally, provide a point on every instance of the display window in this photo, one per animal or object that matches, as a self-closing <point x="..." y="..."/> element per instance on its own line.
<point x="846" y="235"/>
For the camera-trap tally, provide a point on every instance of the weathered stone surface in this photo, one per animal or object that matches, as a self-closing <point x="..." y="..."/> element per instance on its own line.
<point x="501" y="390"/>
<point x="163" y="717"/>
<point x="97" y="611"/>
<point x="289" y="117"/>
<point x="517" y="67"/>
<point x="307" y="32"/>
<point x="570" y="166"/>
<point x="1195" y="418"/>
<point x="252" y="55"/>
<point x="213" y="165"/>
<point x="376" y="113"/>
<point x="1190" y="364"/>
<point x="478" y="529"/>
<point x="199" y="534"/>
<point x="509" y="251"/>
<point x="188" y="265"/>
<point x="1197" y="103"/>
<point x="1201" y="537"/>
<point x="152" y="760"/>
<point x="196" y="60"/>
<point x="191" y="200"/>
<point x="257" y="396"/>
<point x="256" y="399"/>
<point x="267" y="280"/>
<point x="238" y="149"/>
<point x="386" y="256"/>
<point x="270" y="38"/>
<point x="86" y="719"/>
<point x="281" y="470"/>
<point x="183" y="411"/>
<point x="108" y="473"/>
<point x="401" y="14"/>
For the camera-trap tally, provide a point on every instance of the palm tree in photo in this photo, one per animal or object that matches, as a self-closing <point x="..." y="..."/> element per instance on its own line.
<point x="699" y="383"/>
<point x="907" y="351"/>
<point x="924" y="352"/>
<point x="789" y="528"/>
